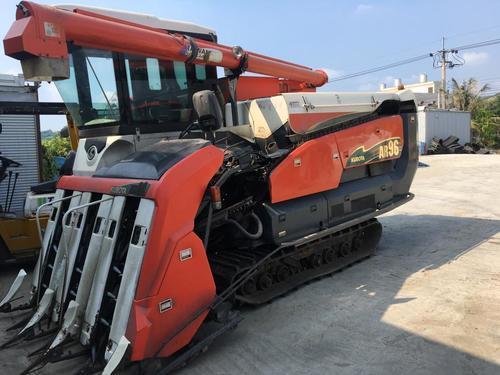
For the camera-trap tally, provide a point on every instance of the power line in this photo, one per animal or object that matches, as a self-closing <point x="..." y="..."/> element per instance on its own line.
<point x="379" y="68"/>
<point x="472" y="32"/>
<point x="489" y="93"/>
<point x="428" y="42"/>
<point x="492" y="89"/>
<point x="415" y="59"/>
<point x="476" y="45"/>
<point x="442" y="62"/>
<point x="491" y="81"/>
<point x="485" y="78"/>
<point x="455" y="60"/>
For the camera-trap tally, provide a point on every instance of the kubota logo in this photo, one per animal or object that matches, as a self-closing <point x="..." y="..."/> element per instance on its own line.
<point x="91" y="152"/>
<point x="387" y="149"/>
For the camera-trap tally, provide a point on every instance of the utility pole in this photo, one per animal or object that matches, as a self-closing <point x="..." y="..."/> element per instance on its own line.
<point x="442" y="91"/>
<point x="443" y="64"/>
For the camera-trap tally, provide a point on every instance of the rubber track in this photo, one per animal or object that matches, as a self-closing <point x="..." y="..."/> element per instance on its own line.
<point x="293" y="266"/>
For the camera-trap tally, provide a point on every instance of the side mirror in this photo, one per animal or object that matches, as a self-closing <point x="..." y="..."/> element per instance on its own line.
<point x="207" y="107"/>
<point x="64" y="132"/>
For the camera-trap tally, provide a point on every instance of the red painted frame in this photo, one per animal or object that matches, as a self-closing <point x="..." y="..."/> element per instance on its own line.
<point x="163" y="276"/>
<point x="43" y="31"/>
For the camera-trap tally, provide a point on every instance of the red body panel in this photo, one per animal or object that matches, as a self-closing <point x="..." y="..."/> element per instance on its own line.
<point x="311" y="168"/>
<point x="369" y="135"/>
<point x="46" y="30"/>
<point x="189" y="284"/>
<point x="178" y="196"/>
<point x="317" y="165"/>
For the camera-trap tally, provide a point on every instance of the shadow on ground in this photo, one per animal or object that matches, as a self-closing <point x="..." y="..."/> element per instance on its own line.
<point x="336" y="324"/>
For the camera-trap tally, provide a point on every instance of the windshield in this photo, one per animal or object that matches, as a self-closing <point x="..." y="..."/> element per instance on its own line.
<point x="107" y="88"/>
<point x="158" y="90"/>
<point x="94" y="100"/>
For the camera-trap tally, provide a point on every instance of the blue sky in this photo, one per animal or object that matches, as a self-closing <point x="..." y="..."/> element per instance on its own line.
<point x="339" y="36"/>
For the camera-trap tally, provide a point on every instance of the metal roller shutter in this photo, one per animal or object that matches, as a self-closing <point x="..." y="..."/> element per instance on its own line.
<point x="18" y="141"/>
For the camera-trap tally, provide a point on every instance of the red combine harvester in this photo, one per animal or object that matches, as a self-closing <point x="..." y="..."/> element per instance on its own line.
<point x="193" y="194"/>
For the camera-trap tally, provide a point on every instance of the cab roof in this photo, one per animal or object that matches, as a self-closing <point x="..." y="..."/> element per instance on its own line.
<point x="143" y="19"/>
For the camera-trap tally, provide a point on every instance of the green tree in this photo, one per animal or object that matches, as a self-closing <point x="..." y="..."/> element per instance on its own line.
<point x="52" y="147"/>
<point x="486" y="125"/>
<point x="493" y="104"/>
<point x="485" y="112"/>
<point x="467" y="96"/>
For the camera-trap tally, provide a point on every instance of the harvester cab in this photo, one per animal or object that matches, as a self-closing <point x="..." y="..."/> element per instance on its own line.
<point x="192" y="194"/>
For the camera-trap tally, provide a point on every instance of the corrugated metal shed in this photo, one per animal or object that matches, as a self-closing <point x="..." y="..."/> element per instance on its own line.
<point x="19" y="141"/>
<point x="442" y="123"/>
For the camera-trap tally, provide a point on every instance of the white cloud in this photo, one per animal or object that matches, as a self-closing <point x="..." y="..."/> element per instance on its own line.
<point x="363" y="8"/>
<point x="475" y="58"/>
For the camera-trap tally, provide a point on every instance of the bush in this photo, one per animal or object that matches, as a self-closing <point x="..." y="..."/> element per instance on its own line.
<point x="51" y="148"/>
<point x="486" y="126"/>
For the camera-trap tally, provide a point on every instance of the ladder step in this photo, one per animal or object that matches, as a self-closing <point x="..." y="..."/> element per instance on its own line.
<point x="105" y="322"/>
<point x="111" y="295"/>
<point x="118" y="271"/>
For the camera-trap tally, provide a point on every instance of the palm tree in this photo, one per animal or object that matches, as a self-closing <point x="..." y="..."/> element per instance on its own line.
<point x="466" y="96"/>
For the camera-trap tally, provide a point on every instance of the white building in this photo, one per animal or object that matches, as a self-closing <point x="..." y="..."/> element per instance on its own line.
<point x="426" y="92"/>
<point x="433" y="122"/>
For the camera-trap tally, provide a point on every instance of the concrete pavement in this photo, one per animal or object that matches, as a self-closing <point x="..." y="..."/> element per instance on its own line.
<point x="428" y="302"/>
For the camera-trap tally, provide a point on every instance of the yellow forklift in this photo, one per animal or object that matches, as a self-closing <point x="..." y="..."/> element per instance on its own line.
<point x="19" y="233"/>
